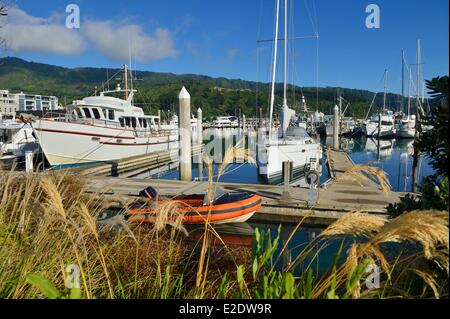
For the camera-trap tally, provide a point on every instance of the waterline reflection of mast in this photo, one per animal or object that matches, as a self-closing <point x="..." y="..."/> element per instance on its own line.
<point x="416" y="156"/>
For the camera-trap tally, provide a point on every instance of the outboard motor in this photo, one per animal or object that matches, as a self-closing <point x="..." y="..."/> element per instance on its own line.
<point x="149" y="192"/>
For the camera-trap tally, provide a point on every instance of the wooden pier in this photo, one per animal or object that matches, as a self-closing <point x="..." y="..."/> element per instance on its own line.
<point x="335" y="198"/>
<point x="136" y="165"/>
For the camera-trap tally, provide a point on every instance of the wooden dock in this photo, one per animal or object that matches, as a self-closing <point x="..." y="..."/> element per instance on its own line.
<point x="335" y="197"/>
<point x="136" y="165"/>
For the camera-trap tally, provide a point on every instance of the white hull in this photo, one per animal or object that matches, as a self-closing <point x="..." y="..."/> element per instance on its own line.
<point x="68" y="143"/>
<point x="239" y="219"/>
<point x="371" y="129"/>
<point x="304" y="157"/>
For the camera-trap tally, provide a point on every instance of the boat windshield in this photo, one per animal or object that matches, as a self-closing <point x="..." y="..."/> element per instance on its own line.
<point x="218" y="193"/>
<point x="296" y="131"/>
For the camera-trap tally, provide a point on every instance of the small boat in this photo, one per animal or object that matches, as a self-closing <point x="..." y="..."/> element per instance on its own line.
<point x="196" y="209"/>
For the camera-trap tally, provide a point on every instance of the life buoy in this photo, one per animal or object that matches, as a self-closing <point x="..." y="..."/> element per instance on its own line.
<point x="312" y="177"/>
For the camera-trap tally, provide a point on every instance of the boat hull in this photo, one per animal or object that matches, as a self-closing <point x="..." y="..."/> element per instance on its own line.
<point x="191" y="211"/>
<point x="70" y="144"/>
<point x="305" y="157"/>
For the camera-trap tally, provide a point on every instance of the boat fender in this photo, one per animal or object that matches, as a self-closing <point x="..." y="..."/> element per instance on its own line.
<point x="312" y="177"/>
<point x="149" y="192"/>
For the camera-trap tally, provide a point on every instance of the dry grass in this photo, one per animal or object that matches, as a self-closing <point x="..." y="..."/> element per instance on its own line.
<point x="48" y="221"/>
<point x="427" y="229"/>
<point x="363" y="174"/>
<point x="355" y="224"/>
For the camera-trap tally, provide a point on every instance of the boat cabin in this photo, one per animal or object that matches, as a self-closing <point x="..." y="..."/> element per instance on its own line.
<point x="112" y="112"/>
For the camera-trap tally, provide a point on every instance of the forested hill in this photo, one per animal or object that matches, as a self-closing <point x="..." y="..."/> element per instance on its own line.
<point x="216" y="96"/>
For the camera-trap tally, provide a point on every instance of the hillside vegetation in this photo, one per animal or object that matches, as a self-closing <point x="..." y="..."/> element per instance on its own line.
<point x="216" y="96"/>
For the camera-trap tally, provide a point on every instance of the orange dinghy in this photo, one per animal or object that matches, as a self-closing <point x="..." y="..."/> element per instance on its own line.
<point x="194" y="209"/>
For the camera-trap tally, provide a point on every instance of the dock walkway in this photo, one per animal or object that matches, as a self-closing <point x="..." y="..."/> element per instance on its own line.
<point x="335" y="198"/>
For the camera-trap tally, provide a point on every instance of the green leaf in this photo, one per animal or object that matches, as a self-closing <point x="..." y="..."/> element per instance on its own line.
<point x="255" y="267"/>
<point x="44" y="285"/>
<point x="240" y="277"/>
<point x="355" y="276"/>
<point x="75" y="293"/>
<point x="223" y="288"/>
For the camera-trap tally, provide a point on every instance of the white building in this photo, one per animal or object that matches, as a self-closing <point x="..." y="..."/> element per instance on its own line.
<point x="29" y="102"/>
<point x="12" y="103"/>
<point x="8" y="104"/>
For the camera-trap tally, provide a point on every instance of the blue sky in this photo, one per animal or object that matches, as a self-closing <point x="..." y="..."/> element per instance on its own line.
<point x="218" y="38"/>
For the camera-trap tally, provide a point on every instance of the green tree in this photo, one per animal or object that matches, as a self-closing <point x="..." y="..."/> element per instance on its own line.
<point x="434" y="142"/>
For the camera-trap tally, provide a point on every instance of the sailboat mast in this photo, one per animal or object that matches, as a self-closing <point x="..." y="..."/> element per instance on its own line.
<point x="418" y="74"/>
<point x="385" y="88"/>
<point x="285" y="54"/>
<point x="403" y="80"/>
<point x="274" y="67"/>
<point x="409" y="91"/>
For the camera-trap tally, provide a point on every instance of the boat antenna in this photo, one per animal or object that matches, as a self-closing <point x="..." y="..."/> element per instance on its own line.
<point x="285" y="55"/>
<point x="274" y="67"/>
<point x="126" y="80"/>
<point x="129" y="58"/>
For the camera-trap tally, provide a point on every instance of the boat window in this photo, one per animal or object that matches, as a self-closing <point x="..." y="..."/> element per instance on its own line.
<point x="111" y="115"/>
<point x="96" y="113"/>
<point x="122" y="122"/>
<point x="127" y="122"/>
<point x="149" y="122"/>
<point x="79" y="114"/>
<point x="133" y="122"/>
<point x="87" y="113"/>
<point x="140" y="122"/>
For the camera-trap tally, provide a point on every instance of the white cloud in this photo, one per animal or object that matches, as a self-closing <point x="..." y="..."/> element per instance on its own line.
<point x="116" y="41"/>
<point x="25" y="33"/>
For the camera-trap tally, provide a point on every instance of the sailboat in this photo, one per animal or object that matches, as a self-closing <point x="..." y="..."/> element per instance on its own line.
<point x="406" y="127"/>
<point x="288" y="142"/>
<point x="387" y="127"/>
<point x="102" y="128"/>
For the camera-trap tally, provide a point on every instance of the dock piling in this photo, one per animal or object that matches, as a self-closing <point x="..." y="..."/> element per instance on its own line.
<point x="336" y="128"/>
<point x="200" y="141"/>
<point x="184" y="136"/>
<point x="28" y="161"/>
<point x="287" y="176"/>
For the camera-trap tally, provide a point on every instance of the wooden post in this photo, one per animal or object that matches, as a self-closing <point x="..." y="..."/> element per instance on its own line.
<point x="200" y="142"/>
<point x="28" y="161"/>
<point x="184" y="135"/>
<point x="199" y="126"/>
<point x="287" y="176"/>
<point x="159" y="120"/>
<point x="336" y="128"/>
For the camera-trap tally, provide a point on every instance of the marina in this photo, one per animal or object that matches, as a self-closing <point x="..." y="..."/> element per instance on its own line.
<point x="216" y="150"/>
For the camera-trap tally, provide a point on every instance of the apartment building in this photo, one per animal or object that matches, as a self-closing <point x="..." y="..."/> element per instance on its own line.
<point x="12" y="103"/>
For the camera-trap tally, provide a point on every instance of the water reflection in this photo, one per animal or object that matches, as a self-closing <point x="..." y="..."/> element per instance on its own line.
<point x="393" y="156"/>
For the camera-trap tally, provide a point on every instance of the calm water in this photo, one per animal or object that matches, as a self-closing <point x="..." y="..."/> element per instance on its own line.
<point x="394" y="157"/>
